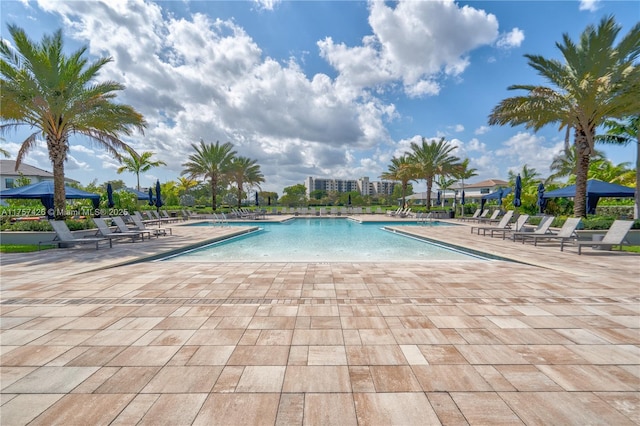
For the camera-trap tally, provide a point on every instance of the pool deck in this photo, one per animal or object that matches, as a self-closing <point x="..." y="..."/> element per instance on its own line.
<point x="549" y="338"/>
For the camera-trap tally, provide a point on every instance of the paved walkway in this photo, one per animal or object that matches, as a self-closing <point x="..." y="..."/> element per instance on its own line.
<point x="550" y="339"/>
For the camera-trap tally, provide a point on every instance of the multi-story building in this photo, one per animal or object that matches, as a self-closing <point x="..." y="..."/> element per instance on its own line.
<point x="362" y="185"/>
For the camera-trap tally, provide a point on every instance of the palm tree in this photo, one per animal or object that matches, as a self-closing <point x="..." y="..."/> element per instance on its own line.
<point x="606" y="171"/>
<point x="56" y="94"/>
<point x="211" y="162"/>
<point x="444" y="184"/>
<point x="565" y="164"/>
<point x="623" y="134"/>
<point x="462" y="172"/>
<point x="597" y="81"/>
<point x="244" y="170"/>
<point x="185" y="184"/>
<point x="432" y="159"/>
<point x="138" y="163"/>
<point x="401" y="170"/>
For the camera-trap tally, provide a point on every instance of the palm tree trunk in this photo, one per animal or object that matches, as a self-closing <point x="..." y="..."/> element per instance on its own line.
<point x="214" y="184"/>
<point x="429" y="185"/>
<point x="239" y="195"/>
<point x="138" y="176"/>
<point x="57" y="155"/>
<point x="583" y="157"/>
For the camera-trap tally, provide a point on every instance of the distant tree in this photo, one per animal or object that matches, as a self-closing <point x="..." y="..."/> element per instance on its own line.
<point x="294" y="196"/>
<point x="211" y="161"/>
<point x="565" y="164"/>
<point x="243" y="170"/>
<point x="318" y="194"/>
<point x="138" y="163"/>
<point x="402" y="170"/>
<point x="57" y="95"/>
<point x="624" y="133"/>
<point x="185" y="184"/>
<point x="432" y="159"/>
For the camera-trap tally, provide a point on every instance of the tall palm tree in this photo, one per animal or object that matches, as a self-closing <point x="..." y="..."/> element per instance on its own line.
<point x="400" y="170"/>
<point x="138" y="163"/>
<point x="56" y="94"/>
<point x="624" y="133"/>
<point x="245" y="170"/>
<point x="597" y="81"/>
<point x="432" y="159"/>
<point x="462" y="172"/>
<point x="211" y="161"/>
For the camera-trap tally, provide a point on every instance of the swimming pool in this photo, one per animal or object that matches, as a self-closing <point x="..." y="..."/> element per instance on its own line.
<point x="321" y="240"/>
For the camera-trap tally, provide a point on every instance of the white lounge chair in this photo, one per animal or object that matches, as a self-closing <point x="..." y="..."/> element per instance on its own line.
<point x="517" y="226"/>
<point x="475" y="215"/>
<point x="137" y="221"/>
<point x="106" y="231"/>
<point x="64" y="236"/>
<point x="123" y="228"/>
<point x="491" y="219"/>
<point x="566" y="233"/>
<point x="542" y="229"/>
<point x="503" y="224"/>
<point x="616" y="236"/>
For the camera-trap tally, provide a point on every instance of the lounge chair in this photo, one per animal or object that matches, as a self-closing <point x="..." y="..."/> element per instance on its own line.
<point x="137" y="221"/>
<point x="64" y="236"/>
<point x="105" y="231"/>
<point x="483" y="215"/>
<point x="123" y="228"/>
<point x="566" y="233"/>
<point x="517" y="226"/>
<point x="541" y="229"/>
<point x="503" y="224"/>
<point x="616" y="236"/>
<point x="492" y="219"/>
<point x="475" y="215"/>
<point x="394" y="213"/>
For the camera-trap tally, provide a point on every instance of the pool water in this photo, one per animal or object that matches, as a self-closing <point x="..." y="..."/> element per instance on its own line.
<point x="321" y="240"/>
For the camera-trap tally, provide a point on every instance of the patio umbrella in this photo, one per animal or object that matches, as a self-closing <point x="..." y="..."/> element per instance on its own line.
<point x="500" y="195"/>
<point x="541" y="200"/>
<point x="150" y="197"/>
<point x="438" y="199"/>
<point x="462" y="198"/>
<point x="257" y="202"/>
<point x="159" y="202"/>
<point x="517" y="192"/>
<point x="268" y="201"/>
<point x="110" y="202"/>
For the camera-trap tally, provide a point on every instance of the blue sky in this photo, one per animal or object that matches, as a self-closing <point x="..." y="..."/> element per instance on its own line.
<point x="316" y="88"/>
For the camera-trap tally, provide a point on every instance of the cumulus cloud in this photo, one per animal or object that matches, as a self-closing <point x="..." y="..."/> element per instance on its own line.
<point x="410" y="46"/>
<point x="267" y="4"/>
<point x="530" y="149"/>
<point x="513" y="38"/>
<point x="482" y="130"/>
<point x="589" y="5"/>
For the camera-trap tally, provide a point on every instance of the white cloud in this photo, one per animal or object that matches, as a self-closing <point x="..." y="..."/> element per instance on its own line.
<point x="530" y="149"/>
<point x="267" y="4"/>
<point x="197" y="78"/>
<point x="589" y="5"/>
<point x="482" y="130"/>
<point x="409" y="46"/>
<point x="512" y="39"/>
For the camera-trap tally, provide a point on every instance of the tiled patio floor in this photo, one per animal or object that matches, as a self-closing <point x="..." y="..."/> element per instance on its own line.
<point x="554" y="340"/>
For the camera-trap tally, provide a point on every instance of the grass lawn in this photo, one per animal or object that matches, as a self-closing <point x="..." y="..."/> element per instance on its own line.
<point x="22" y="248"/>
<point x="632" y="249"/>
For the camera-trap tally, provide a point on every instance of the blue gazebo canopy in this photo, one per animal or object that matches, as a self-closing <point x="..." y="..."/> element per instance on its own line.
<point x="43" y="191"/>
<point x="595" y="190"/>
<point x="496" y="195"/>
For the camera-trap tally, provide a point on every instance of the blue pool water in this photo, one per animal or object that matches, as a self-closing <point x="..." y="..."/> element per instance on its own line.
<point x="321" y="240"/>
